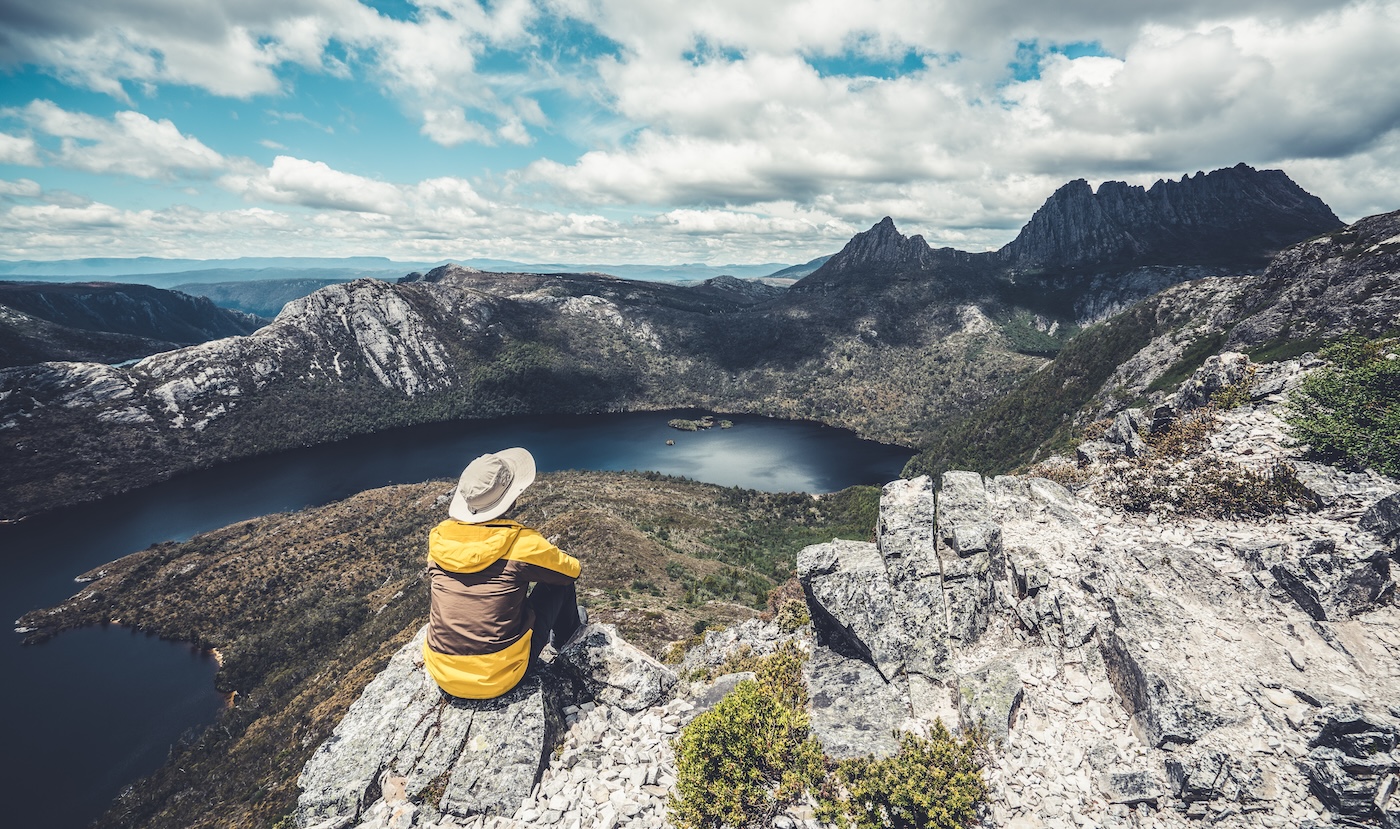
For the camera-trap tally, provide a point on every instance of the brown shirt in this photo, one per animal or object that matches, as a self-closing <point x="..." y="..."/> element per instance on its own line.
<point x="480" y="574"/>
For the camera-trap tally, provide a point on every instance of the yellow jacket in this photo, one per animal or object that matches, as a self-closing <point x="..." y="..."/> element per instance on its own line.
<point x="478" y="643"/>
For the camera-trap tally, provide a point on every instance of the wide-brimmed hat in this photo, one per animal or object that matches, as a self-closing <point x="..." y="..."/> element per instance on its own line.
<point x="490" y="484"/>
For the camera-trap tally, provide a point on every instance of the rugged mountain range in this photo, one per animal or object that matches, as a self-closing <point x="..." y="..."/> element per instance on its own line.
<point x="1235" y="216"/>
<point x="888" y="337"/>
<point x="106" y="322"/>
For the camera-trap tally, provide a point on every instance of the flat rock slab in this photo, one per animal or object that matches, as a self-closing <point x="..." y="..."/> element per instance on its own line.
<point x="486" y="755"/>
<point x="854" y="711"/>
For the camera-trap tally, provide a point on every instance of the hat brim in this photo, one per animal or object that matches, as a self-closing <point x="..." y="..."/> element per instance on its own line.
<point x="522" y="468"/>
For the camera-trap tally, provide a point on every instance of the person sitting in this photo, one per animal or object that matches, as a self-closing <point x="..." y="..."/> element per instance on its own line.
<point x="485" y="627"/>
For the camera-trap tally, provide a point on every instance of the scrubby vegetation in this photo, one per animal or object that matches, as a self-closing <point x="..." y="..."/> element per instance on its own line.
<point x="1182" y="474"/>
<point x="750" y="756"/>
<point x="1348" y="412"/>
<point x="743" y="760"/>
<point x="932" y="783"/>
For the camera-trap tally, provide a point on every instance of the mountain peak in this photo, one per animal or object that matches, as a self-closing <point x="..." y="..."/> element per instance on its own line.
<point x="1234" y="215"/>
<point x="882" y="247"/>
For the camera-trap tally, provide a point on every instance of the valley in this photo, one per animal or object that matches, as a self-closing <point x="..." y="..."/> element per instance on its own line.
<point x="988" y="362"/>
<point x="889" y="337"/>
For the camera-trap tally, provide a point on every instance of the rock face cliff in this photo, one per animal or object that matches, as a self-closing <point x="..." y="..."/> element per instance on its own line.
<point x="1085" y="255"/>
<point x="1129" y="668"/>
<point x="1235" y="216"/>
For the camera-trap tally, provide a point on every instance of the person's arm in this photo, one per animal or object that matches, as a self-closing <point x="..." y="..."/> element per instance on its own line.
<point x="543" y="562"/>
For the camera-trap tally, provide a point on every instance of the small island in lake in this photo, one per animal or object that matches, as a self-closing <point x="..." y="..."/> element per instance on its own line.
<point x="706" y="422"/>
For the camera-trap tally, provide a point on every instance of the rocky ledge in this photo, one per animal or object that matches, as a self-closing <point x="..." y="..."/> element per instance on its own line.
<point x="1128" y="669"/>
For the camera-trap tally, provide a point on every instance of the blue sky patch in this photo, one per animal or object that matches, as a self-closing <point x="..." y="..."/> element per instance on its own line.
<point x="858" y="64"/>
<point x="1031" y="55"/>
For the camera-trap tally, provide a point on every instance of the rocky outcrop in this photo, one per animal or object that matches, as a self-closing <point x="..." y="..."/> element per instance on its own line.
<point x="882" y="247"/>
<point x="1139" y="669"/>
<point x="615" y="673"/>
<point x="1342" y="282"/>
<point x="404" y="747"/>
<point x="1238" y="215"/>
<point x="407" y="756"/>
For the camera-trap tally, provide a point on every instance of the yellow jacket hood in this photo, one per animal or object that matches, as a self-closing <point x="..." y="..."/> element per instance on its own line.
<point x="468" y="548"/>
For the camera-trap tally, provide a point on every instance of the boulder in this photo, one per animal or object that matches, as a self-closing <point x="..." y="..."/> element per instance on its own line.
<point x="969" y="541"/>
<point x="904" y="533"/>
<point x="854" y="712"/>
<point x="484" y="756"/>
<point x="989" y="698"/>
<point x="1219" y="372"/>
<point x="1327" y="584"/>
<point x="1129" y="788"/>
<point x="1126" y="433"/>
<point x="1352" y="765"/>
<point x="852" y="602"/>
<point x="1208" y="774"/>
<point x="1383" y="518"/>
<point x="1161" y="707"/>
<point x="613" y="671"/>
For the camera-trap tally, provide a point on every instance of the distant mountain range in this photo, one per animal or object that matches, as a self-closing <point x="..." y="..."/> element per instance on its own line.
<point x="889" y="337"/>
<point x="167" y="273"/>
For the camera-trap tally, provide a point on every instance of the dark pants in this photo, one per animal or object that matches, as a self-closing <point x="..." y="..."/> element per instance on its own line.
<point x="556" y="612"/>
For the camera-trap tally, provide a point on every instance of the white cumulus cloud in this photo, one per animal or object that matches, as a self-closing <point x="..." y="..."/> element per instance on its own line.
<point x="129" y="143"/>
<point x="314" y="184"/>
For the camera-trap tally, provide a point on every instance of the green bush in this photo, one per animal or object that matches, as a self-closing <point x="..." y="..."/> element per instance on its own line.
<point x="1349" y="412"/>
<point x="933" y="783"/>
<point x="740" y="762"/>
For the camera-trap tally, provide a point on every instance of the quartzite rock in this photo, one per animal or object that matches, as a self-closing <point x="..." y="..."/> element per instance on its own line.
<point x="614" y="672"/>
<point x="989" y="699"/>
<point x="970" y="548"/>
<point x="489" y="753"/>
<point x="1219" y="372"/>
<point x="854" y="712"/>
<point x="852" y="603"/>
<point x="1383" y="518"/>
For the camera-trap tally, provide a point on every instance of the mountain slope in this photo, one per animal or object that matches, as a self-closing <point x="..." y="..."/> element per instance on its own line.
<point x="260" y="297"/>
<point x="1345" y="282"/>
<point x="889" y="337"/>
<point x="105" y="322"/>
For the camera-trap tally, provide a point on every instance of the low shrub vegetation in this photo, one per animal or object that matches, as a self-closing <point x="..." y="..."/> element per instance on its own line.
<point x="1183" y="474"/>
<point x="743" y="761"/>
<point x="933" y="782"/>
<point x="1348" y="412"/>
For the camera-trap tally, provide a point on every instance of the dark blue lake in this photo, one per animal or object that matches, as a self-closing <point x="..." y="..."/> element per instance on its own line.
<point x="99" y="708"/>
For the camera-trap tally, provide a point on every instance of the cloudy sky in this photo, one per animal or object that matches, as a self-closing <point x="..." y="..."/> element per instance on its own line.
<point x="658" y="131"/>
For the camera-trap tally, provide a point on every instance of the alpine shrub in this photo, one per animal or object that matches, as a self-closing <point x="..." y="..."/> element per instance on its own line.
<point x="933" y="783"/>
<point x="1183" y="474"/>
<point x="740" y="762"/>
<point x="1349" y="411"/>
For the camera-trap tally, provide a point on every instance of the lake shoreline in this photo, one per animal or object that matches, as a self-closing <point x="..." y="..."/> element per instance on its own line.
<point x="45" y="551"/>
